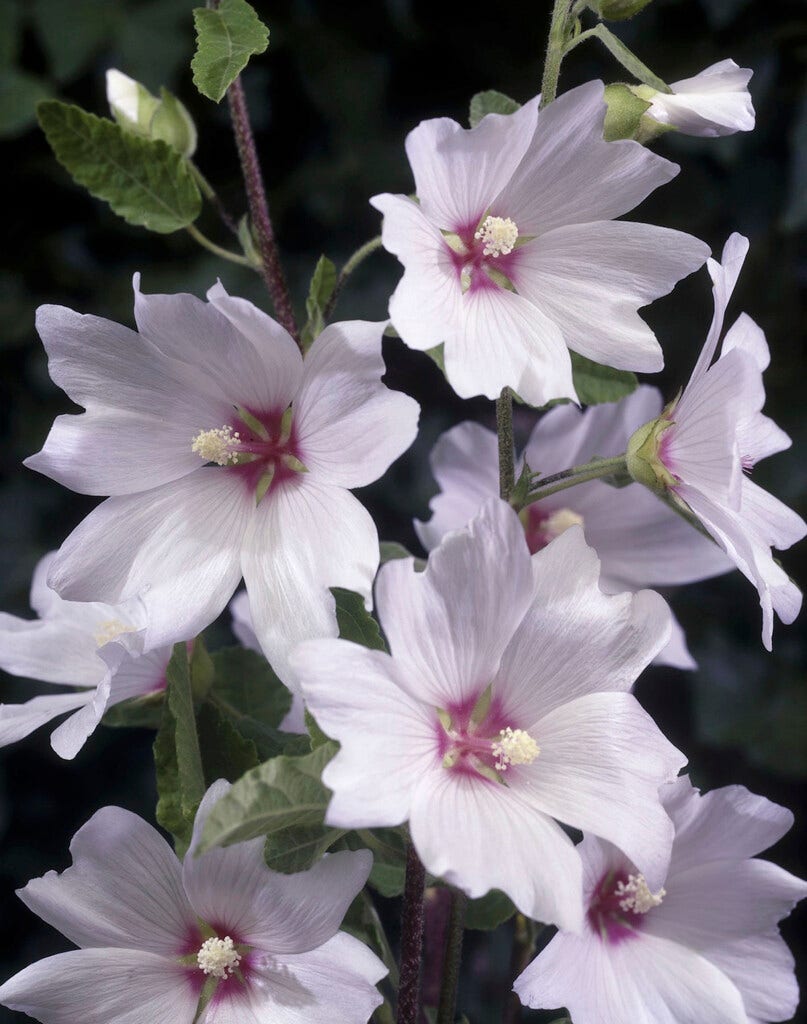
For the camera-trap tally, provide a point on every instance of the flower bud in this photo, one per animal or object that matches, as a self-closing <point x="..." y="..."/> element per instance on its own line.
<point x="137" y="110"/>
<point x="643" y="455"/>
<point x="619" y="10"/>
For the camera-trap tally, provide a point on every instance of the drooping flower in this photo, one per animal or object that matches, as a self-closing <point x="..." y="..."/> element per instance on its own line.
<point x="704" y="945"/>
<point x="512" y="255"/>
<point x="503" y="706"/>
<point x="78" y="646"/>
<point x="158" y="939"/>
<point x="639" y="541"/>
<point x="707" y="441"/>
<point x="714" y="102"/>
<point x="226" y="455"/>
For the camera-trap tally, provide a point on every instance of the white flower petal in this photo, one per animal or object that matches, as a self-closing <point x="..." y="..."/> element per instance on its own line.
<point x="570" y="175"/>
<point x="748" y="336"/>
<point x="279" y="355"/>
<point x="724" y="901"/>
<point x="388" y="740"/>
<point x="567" y="436"/>
<point x="103" y="986"/>
<point x="351" y="427"/>
<point x="208" y="338"/>
<point x="724" y="279"/>
<point x="123" y="889"/>
<point x="464" y="464"/>
<point x="763" y="969"/>
<point x="500" y="339"/>
<point x="602" y="761"/>
<point x="575" y="640"/>
<point x="644" y="981"/>
<point x="177" y="546"/>
<point x="333" y="983"/>
<point x="305" y="538"/>
<point x="596" y="309"/>
<point x="233" y="887"/>
<point x="20" y="720"/>
<point x="459" y="171"/>
<point x="676" y="653"/>
<point x="447" y="627"/>
<point x="712" y="103"/>
<point x="53" y="650"/>
<point x="479" y="835"/>
<point x="427" y="299"/>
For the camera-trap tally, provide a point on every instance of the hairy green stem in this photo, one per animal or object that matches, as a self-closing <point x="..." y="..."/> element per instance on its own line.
<point x="555" y="50"/>
<point x="447" y="1007"/>
<point x="626" y="57"/>
<point x="358" y="257"/>
<point x="271" y="269"/>
<point x="225" y="254"/>
<point x="411" y="939"/>
<point x="576" y="475"/>
<point x="504" y="432"/>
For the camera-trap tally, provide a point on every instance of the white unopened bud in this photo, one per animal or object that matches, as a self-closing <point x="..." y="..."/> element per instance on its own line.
<point x="137" y="110"/>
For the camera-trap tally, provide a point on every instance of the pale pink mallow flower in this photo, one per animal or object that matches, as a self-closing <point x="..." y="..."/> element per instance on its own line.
<point x="640" y="542"/>
<point x="512" y="255"/>
<point x="503" y="706"/>
<point x="715" y="102"/>
<point x="703" y="447"/>
<point x="221" y="933"/>
<point x="92" y="650"/>
<point x="226" y="454"/>
<point x="703" y="946"/>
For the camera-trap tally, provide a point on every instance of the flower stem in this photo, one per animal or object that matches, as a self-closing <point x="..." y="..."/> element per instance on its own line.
<point x="524" y="936"/>
<point x="626" y="57"/>
<point x="555" y="49"/>
<point x="358" y="257"/>
<point x="272" y="271"/>
<point x="225" y="254"/>
<point x="504" y="431"/>
<point x="411" y="939"/>
<point x="447" y="1007"/>
<point x="576" y="475"/>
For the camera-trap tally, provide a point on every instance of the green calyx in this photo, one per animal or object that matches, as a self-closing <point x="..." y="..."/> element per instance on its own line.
<point x="620" y="10"/>
<point x="643" y="459"/>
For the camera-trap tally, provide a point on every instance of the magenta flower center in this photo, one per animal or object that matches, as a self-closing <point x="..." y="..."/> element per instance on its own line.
<point x="260" y="447"/>
<point x="484" y="253"/>
<point x="475" y="739"/>
<point x="542" y="525"/>
<point x="619" y="903"/>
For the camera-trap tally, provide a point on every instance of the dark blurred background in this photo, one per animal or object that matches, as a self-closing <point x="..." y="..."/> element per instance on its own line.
<point x="331" y="103"/>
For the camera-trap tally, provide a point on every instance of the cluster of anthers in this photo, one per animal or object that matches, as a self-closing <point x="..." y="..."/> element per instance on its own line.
<point x="217" y="445"/>
<point x="218" y="958"/>
<point x="514" y="746"/>
<point x="499" y="235"/>
<point x="635" y="895"/>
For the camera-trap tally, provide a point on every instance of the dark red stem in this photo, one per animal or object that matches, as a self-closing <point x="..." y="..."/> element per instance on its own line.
<point x="411" y="940"/>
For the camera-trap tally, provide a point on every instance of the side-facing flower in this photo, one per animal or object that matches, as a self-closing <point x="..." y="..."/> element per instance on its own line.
<point x="504" y="705"/>
<point x="221" y="933"/>
<point x="714" y="102"/>
<point x="512" y="255"/>
<point x="703" y="447"/>
<point x="225" y="454"/>
<point x="75" y="645"/>
<point x="704" y="946"/>
<point x="640" y="542"/>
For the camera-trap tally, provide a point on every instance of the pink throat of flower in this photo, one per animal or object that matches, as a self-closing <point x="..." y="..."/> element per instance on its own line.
<point x="607" y="915"/>
<point x="234" y="972"/>
<point x="535" y="519"/>
<point x="266" y="458"/>
<point x="472" y="264"/>
<point x="470" y="743"/>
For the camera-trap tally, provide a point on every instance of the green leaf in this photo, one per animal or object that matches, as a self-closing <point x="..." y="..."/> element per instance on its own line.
<point x="596" y="384"/>
<point x="169" y="803"/>
<point x="438" y="355"/>
<point x="320" y="291"/>
<point x="299" y="848"/>
<point x="490" y="102"/>
<point x="226" y="754"/>
<point x="388" y="846"/>
<point x="138" y="713"/>
<point x="143" y="180"/>
<point x="489" y="911"/>
<point x="179" y="698"/>
<point x="19" y="95"/>
<point x="283" y="793"/>
<point x="316" y="736"/>
<point x="225" y="40"/>
<point x="355" y="622"/>
<point x="249" y="693"/>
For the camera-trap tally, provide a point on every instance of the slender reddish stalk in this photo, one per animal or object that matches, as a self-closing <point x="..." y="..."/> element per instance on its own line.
<point x="272" y="271"/>
<point x="411" y="940"/>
